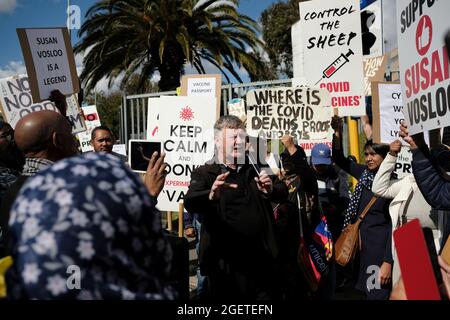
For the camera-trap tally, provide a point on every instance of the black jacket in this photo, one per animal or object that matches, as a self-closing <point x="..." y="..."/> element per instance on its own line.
<point x="220" y="240"/>
<point x="5" y="209"/>
<point x="375" y="229"/>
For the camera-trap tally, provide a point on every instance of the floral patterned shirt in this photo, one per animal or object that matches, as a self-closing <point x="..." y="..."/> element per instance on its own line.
<point x="86" y="228"/>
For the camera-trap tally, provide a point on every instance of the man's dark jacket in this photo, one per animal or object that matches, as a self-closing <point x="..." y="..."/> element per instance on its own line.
<point x="219" y="239"/>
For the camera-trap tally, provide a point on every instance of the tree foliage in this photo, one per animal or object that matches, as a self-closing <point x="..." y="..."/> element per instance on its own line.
<point x="276" y="23"/>
<point x="148" y="36"/>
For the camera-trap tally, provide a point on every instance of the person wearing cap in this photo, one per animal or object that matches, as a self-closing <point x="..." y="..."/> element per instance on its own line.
<point x="332" y="187"/>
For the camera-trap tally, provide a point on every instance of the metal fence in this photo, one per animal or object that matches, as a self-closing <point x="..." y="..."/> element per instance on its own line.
<point x="134" y="109"/>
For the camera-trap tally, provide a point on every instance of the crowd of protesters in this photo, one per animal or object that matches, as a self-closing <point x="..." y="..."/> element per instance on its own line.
<point x="259" y="234"/>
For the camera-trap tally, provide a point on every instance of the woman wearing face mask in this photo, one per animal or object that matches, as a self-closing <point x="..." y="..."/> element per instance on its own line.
<point x="375" y="230"/>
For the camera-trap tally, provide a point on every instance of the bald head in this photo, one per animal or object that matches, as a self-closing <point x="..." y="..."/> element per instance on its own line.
<point x="46" y="132"/>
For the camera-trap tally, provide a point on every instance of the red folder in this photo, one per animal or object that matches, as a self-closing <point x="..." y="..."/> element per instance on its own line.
<point x="415" y="263"/>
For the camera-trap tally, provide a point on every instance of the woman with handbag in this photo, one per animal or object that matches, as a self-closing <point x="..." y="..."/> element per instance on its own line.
<point x="375" y="254"/>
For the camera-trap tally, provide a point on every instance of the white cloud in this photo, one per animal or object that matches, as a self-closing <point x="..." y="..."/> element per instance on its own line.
<point x="12" y="68"/>
<point x="8" y="5"/>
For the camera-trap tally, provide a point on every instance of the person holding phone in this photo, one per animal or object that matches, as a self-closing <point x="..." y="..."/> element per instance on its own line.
<point x="238" y="249"/>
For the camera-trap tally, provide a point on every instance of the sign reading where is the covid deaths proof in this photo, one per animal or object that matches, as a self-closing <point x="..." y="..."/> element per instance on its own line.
<point x="49" y="61"/>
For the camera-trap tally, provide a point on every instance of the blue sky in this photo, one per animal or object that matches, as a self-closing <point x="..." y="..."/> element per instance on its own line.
<point x="52" y="13"/>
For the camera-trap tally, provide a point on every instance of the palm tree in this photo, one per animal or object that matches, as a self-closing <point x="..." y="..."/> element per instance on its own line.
<point x="144" y="36"/>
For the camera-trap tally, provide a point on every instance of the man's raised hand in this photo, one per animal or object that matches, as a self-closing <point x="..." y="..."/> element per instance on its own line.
<point x="220" y="184"/>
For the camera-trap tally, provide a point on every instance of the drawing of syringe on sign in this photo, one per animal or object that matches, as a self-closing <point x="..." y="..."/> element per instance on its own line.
<point x="336" y="65"/>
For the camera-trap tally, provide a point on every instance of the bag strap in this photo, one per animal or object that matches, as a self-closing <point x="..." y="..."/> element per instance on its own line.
<point x="403" y="219"/>
<point x="367" y="208"/>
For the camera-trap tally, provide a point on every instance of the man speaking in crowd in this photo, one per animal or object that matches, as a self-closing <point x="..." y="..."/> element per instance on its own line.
<point x="102" y="141"/>
<point x="238" y="246"/>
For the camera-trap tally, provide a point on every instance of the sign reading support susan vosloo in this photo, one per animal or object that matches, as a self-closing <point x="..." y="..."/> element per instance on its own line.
<point x="49" y="60"/>
<point x="424" y="64"/>
<point x="332" y="46"/>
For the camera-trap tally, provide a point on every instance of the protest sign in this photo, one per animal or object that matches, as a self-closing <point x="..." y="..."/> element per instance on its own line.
<point x="203" y="85"/>
<point x="297" y="50"/>
<point x="387" y="108"/>
<point x="372" y="29"/>
<point x="374" y="70"/>
<point x="236" y="107"/>
<point x="92" y="120"/>
<point x="49" y="60"/>
<point x="403" y="166"/>
<point x="303" y="113"/>
<point x="16" y="102"/>
<point x="186" y="132"/>
<point x="153" y="118"/>
<point x="332" y="45"/>
<point x="120" y="149"/>
<point x="424" y="65"/>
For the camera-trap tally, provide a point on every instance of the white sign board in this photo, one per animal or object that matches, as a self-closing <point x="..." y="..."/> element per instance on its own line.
<point x="203" y="85"/>
<point x="49" y="60"/>
<point x="424" y="65"/>
<point x="303" y="113"/>
<point x="403" y="165"/>
<point x="120" y="149"/>
<point x="186" y="131"/>
<point x="236" y="107"/>
<point x="92" y="120"/>
<point x="332" y="46"/>
<point x="388" y="111"/>
<point x="16" y="102"/>
<point x="153" y="118"/>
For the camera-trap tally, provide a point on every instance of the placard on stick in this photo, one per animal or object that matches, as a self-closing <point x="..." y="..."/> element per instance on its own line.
<point x="16" y="102"/>
<point x="49" y="61"/>
<point x="206" y="85"/>
<point x="387" y="110"/>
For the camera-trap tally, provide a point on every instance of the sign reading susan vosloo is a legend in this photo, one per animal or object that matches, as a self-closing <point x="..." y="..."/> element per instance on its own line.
<point x="49" y="60"/>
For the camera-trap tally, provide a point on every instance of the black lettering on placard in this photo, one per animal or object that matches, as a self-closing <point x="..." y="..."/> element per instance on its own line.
<point x="46" y="40"/>
<point x="174" y="195"/>
<point x="398" y="108"/>
<point x="412" y="12"/>
<point x="429" y="106"/>
<point x="19" y="98"/>
<point x="75" y="119"/>
<point x="299" y="96"/>
<point x="54" y="80"/>
<point x="403" y="167"/>
<point x="329" y="13"/>
<point x="326" y="41"/>
<point x="181" y="169"/>
<point x="190" y="146"/>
